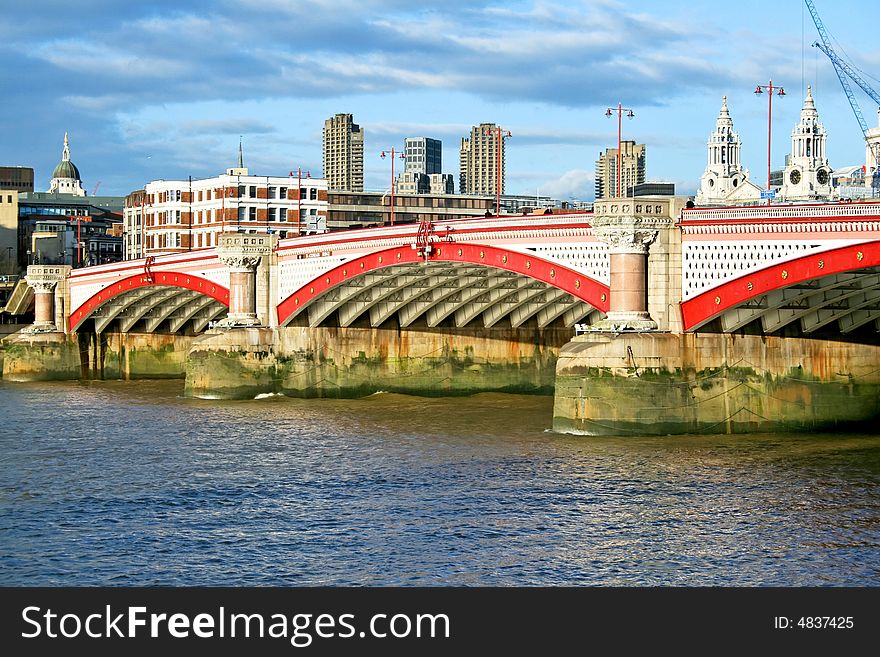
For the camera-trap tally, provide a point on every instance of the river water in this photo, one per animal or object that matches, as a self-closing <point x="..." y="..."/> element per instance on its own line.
<point x="128" y="483"/>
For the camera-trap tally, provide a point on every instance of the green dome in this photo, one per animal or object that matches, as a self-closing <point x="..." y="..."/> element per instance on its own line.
<point x="66" y="169"/>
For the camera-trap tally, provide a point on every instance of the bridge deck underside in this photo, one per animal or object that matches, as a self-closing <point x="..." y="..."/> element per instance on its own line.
<point x="852" y="299"/>
<point x="148" y="309"/>
<point x="442" y="291"/>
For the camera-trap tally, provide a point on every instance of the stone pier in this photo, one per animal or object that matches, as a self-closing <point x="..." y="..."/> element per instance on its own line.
<point x="674" y="383"/>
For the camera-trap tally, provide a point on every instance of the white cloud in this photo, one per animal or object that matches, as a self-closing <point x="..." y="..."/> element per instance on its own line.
<point x="575" y="183"/>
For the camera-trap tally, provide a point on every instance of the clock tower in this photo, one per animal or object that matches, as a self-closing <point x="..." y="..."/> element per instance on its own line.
<point x="807" y="174"/>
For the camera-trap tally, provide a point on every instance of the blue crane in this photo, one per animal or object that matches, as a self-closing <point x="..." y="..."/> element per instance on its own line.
<point x="845" y="73"/>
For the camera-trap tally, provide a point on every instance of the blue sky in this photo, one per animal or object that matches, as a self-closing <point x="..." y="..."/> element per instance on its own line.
<point x="164" y="89"/>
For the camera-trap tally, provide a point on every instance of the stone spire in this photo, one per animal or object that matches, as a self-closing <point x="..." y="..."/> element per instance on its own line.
<point x="240" y="154"/>
<point x="65" y="154"/>
<point x="809" y="109"/>
<point x="724" y="174"/>
<point x="724" y="116"/>
<point x="807" y="174"/>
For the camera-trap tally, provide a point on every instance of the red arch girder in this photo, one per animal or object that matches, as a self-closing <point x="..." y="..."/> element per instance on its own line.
<point x="165" y="278"/>
<point x="575" y="283"/>
<point x="712" y="303"/>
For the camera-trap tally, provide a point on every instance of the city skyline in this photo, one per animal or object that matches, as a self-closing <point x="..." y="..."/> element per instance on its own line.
<point x="141" y="104"/>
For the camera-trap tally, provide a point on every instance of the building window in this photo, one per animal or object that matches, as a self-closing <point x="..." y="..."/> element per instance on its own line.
<point x="313" y="194"/>
<point x="272" y="192"/>
<point x="272" y="213"/>
<point x="253" y="191"/>
<point x="252" y="214"/>
<point x="282" y="192"/>
<point x="282" y="214"/>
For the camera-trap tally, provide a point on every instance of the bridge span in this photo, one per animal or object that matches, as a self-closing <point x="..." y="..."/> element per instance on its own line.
<point x="749" y="294"/>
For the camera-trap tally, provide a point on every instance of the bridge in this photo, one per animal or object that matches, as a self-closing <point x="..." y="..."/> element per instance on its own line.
<point x="485" y="270"/>
<point x="636" y="277"/>
<point x="810" y="265"/>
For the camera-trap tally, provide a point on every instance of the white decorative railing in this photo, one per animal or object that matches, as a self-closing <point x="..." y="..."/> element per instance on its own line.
<point x="782" y="212"/>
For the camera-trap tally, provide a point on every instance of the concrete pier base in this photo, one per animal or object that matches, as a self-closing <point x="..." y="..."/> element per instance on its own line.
<point x="657" y="384"/>
<point x="45" y="356"/>
<point x="352" y="362"/>
<point x="29" y="356"/>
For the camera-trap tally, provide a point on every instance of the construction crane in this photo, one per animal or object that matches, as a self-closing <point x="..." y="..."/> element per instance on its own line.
<point x="845" y="73"/>
<point x="95" y="190"/>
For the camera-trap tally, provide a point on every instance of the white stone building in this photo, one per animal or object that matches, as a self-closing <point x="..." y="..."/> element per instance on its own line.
<point x="725" y="181"/>
<point x="807" y="174"/>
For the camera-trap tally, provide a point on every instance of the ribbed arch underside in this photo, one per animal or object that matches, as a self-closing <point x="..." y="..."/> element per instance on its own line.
<point x="440" y="292"/>
<point x="157" y="308"/>
<point x="163" y="301"/>
<point x="836" y="290"/>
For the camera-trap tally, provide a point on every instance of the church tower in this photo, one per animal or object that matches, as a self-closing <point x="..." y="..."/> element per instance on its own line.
<point x="65" y="178"/>
<point x="724" y="180"/>
<point x="807" y="174"/>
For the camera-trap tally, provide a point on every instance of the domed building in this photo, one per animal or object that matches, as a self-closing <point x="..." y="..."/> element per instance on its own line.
<point x="65" y="177"/>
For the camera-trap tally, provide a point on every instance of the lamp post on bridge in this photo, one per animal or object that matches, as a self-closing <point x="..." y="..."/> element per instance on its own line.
<point x="629" y="114"/>
<point x="402" y="156"/>
<point x="500" y="134"/>
<point x="759" y="89"/>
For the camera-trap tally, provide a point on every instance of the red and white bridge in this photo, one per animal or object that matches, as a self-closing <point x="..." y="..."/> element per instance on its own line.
<point x="488" y="269"/>
<point x="809" y="265"/>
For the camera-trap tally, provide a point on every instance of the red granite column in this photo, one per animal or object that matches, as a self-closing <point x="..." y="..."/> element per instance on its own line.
<point x="628" y="239"/>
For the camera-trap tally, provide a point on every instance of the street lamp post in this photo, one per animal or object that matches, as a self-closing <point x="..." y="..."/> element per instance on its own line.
<point x="629" y="114"/>
<point x="402" y="156"/>
<point x="500" y="134"/>
<point x="779" y="92"/>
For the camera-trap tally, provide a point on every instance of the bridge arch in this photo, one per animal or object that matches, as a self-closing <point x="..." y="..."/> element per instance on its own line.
<point x="461" y="280"/>
<point x="817" y="289"/>
<point x="155" y="297"/>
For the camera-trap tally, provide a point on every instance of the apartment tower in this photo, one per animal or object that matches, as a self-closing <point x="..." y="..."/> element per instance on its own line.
<point x="343" y="154"/>
<point x="479" y="160"/>
<point x="632" y="169"/>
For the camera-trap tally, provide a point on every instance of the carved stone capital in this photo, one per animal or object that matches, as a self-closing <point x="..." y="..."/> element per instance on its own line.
<point x="239" y="261"/>
<point x="41" y="286"/>
<point x="44" y="278"/>
<point x="628" y="234"/>
<point x="243" y="251"/>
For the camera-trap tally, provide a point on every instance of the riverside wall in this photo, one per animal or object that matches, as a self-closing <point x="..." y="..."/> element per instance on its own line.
<point x="667" y="383"/>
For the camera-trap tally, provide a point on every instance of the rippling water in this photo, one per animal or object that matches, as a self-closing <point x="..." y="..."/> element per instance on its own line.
<point x="127" y="483"/>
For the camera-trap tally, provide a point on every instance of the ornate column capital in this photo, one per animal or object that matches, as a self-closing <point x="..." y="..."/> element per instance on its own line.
<point x="44" y="278"/>
<point x="242" y="252"/>
<point x="628" y="234"/>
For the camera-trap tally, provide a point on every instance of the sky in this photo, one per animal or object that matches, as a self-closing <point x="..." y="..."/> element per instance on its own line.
<point x="165" y="89"/>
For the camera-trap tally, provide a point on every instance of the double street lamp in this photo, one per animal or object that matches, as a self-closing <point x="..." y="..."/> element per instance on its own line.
<point x="392" y="153"/>
<point x="779" y="92"/>
<point x="629" y="114"/>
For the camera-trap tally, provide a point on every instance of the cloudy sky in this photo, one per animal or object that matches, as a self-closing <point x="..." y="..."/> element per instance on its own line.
<point x="164" y="89"/>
